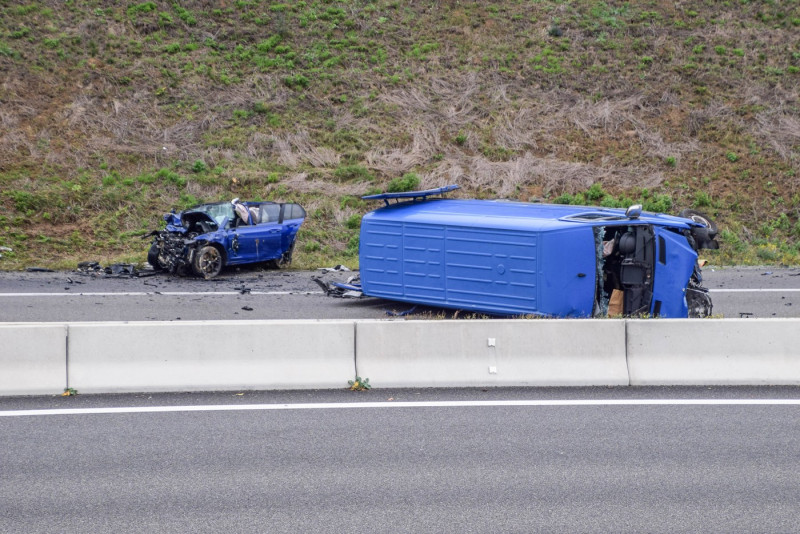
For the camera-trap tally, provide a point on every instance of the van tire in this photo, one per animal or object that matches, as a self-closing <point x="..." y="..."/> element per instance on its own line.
<point x="702" y="218"/>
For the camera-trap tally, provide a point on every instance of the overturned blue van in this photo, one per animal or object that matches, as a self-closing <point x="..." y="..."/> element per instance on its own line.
<point x="518" y="258"/>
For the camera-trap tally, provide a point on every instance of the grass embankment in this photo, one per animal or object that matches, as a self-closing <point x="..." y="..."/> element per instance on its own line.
<point x="112" y="113"/>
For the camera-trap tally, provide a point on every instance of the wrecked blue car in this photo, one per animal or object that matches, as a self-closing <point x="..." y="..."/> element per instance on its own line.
<point x="518" y="258"/>
<point x="206" y="238"/>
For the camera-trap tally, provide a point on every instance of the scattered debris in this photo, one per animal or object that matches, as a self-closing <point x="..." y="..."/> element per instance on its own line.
<point x="340" y="268"/>
<point x="392" y="313"/>
<point x="247" y="308"/>
<point x="243" y="290"/>
<point x="341" y="290"/>
<point x="116" y="270"/>
<point x="121" y="269"/>
<point x="39" y="270"/>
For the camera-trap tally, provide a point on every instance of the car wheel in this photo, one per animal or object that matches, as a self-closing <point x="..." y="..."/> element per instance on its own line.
<point x="207" y="262"/>
<point x="283" y="261"/>
<point x="702" y="218"/>
<point x="152" y="258"/>
<point x="277" y="263"/>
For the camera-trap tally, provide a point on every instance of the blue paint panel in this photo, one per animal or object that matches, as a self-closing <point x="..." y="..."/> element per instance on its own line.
<point x="491" y="269"/>
<point x="568" y="272"/>
<point x="672" y="276"/>
<point x="423" y="262"/>
<point x="381" y="249"/>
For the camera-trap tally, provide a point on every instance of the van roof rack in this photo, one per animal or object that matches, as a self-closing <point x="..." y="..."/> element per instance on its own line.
<point x="414" y="195"/>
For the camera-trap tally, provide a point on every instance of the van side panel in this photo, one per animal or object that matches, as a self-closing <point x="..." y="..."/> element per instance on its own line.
<point x="453" y="266"/>
<point x="381" y="252"/>
<point x="423" y="262"/>
<point x="568" y="272"/>
<point x="492" y="269"/>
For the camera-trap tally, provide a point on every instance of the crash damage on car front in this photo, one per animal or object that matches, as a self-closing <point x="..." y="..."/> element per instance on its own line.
<point x="204" y="239"/>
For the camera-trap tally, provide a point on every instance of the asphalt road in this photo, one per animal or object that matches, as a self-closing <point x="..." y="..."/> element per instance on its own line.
<point x="328" y="466"/>
<point x="252" y="294"/>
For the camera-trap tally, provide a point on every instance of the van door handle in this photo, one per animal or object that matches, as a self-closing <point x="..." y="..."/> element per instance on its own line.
<point x="581" y="275"/>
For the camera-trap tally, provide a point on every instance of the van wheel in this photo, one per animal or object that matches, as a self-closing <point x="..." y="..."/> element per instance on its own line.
<point x="207" y="262"/>
<point x="699" y="303"/>
<point x="702" y="218"/>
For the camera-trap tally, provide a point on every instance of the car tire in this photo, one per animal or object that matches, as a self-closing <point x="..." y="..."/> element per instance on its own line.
<point x="702" y="218"/>
<point x="284" y="260"/>
<point x="207" y="262"/>
<point x="152" y="258"/>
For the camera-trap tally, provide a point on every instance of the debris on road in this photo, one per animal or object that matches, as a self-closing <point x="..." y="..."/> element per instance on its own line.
<point x="116" y="270"/>
<point x="349" y="289"/>
<point x="340" y="268"/>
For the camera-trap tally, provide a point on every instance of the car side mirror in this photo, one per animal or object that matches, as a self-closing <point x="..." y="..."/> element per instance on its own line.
<point x="634" y="211"/>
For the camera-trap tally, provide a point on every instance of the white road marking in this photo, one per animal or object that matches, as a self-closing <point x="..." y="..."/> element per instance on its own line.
<point x="158" y="293"/>
<point x="391" y="404"/>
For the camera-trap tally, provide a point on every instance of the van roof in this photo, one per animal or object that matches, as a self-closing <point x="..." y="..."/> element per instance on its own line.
<point x="514" y="215"/>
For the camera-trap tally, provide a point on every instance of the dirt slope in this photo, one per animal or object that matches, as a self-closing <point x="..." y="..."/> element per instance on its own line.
<point x="113" y="112"/>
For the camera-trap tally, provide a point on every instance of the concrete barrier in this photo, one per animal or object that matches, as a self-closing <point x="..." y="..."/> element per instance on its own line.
<point x="218" y="355"/>
<point x="33" y="359"/>
<point x="714" y="352"/>
<point x="38" y="359"/>
<point x="491" y="353"/>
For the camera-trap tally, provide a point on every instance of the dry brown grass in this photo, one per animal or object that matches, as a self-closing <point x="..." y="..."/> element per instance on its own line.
<point x="782" y="132"/>
<point x="296" y="148"/>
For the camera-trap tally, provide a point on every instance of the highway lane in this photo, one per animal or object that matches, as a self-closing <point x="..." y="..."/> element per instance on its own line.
<point x="319" y="464"/>
<point x="250" y="294"/>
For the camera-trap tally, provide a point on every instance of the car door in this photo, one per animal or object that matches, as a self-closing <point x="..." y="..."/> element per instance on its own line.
<point x="293" y="216"/>
<point x="267" y="230"/>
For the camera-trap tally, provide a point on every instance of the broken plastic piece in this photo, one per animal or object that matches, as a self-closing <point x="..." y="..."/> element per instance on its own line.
<point x="332" y="269"/>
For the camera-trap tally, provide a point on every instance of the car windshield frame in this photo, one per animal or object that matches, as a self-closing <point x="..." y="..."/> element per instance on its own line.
<point x="219" y="211"/>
